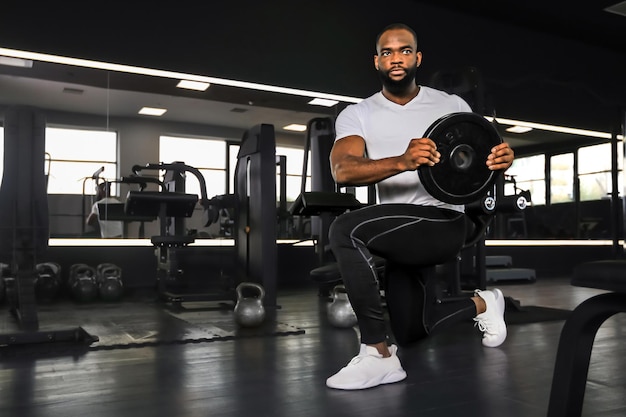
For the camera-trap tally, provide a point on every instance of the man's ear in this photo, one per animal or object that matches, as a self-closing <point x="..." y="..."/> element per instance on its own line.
<point x="376" y="62"/>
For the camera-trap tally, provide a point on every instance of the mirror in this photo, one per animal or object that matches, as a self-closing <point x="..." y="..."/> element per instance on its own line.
<point x="106" y="103"/>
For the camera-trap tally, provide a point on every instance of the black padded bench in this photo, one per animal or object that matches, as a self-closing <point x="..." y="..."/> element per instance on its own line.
<point x="579" y="331"/>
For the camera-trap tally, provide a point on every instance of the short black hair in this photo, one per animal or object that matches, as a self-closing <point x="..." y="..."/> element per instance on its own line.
<point x="395" y="26"/>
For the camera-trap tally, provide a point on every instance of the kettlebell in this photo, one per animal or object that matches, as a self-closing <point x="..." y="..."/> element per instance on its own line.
<point x="82" y="282"/>
<point x="340" y="312"/>
<point x="47" y="281"/>
<point x="249" y="311"/>
<point x="109" y="279"/>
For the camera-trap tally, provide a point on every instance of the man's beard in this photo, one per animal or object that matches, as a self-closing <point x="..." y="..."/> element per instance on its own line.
<point x="398" y="87"/>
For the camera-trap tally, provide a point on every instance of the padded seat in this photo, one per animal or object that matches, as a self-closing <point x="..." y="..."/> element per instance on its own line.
<point x="579" y="331"/>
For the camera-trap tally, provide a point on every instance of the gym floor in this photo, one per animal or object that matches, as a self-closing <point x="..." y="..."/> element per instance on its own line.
<point x="211" y="369"/>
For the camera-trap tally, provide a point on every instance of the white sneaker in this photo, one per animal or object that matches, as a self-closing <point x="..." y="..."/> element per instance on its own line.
<point x="368" y="369"/>
<point x="491" y="322"/>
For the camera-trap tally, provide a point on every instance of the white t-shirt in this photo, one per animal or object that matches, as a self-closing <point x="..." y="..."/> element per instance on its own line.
<point x="388" y="127"/>
<point x="108" y="228"/>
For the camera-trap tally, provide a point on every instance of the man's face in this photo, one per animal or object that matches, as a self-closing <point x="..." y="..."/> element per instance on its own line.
<point x="397" y="60"/>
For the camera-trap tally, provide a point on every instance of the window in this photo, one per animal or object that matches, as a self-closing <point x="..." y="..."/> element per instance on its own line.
<point x="206" y="155"/>
<point x="73" y="156"/>
<point x="562" y="178"/>
<point x="295" y="160"/>
<point x="529" y="174"/>
<point x="594" y="171"/>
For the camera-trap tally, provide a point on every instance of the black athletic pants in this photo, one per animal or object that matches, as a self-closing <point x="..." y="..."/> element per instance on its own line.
<point x="411" y="239"/>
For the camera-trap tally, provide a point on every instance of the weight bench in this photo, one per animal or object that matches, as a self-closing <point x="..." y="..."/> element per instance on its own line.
<point x="327" y="204"/>
<point x="167" y="206"/>
<point x="163" y="205"/>
<point x="579" y="331"/>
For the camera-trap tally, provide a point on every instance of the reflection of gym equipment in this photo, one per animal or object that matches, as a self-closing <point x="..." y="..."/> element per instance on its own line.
<point x="256" y="219"/>
<point x="323" y="203"/>
<point x="82" y="283"/>
<point x="95" y="177"/>
<point x="48" y="281"/>
<point x="170" y="206"/>
<point x="115" y="211"/>
<point x="254" y="207"/>
<point x="24" y="230"/>
<point x="109" y="280"/>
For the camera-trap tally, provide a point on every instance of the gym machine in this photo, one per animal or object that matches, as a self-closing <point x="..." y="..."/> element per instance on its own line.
<point x="255" y="219"/>
<point x="254" y="204"/>
<point x="24" y="231"/>
<point x="171" y="205"/>
<point x="323" y="202"/>
<point x="115" y="211"/>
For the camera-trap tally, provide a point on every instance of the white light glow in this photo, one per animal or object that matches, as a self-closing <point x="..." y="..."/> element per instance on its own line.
<point x="295" y="127"/>
<point x="552" y="128"/>
<point x="152" y="111"/>
<point x="193" y="85"/>
<point x="323" y="102"/>
<point x="170" y="74"/>
<point x="519" y="129"/>
<point x="16" y="62"/>
<point x="547" y="242"/>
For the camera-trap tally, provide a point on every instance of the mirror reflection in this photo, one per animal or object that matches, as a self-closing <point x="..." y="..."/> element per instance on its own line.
<point x="96" y="134"/>
<point x="101" y="124"/>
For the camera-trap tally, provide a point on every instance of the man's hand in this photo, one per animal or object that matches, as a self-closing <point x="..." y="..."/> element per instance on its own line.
<point x="501" y="157"/>
<point x="421" y="151"/>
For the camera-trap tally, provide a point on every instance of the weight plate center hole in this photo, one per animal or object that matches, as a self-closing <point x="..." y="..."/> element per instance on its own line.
<point x="462" y="157"/>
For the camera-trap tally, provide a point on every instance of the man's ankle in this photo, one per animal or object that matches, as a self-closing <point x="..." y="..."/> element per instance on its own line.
<point x="382" y="348"/>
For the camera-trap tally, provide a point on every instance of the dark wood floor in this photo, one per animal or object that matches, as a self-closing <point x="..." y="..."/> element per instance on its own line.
<point x="449" y="374"/>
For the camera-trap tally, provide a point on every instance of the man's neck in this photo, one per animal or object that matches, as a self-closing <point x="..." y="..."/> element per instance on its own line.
<point x="404" y="97"/>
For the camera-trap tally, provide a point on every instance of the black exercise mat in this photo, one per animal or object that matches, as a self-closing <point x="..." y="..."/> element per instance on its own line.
<point x="137" y="324"/>
<point x="515" y="313"/>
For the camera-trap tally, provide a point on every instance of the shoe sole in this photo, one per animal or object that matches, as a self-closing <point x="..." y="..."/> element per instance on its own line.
<point x="390" y="378"/>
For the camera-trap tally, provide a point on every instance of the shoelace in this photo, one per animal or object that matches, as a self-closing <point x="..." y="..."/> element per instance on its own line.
<point x="359" y="358"/>
<point x="483" y="325"/>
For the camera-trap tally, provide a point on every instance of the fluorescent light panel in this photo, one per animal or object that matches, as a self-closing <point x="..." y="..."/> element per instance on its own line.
<point x="152" y="111"/>
<point x="16" y="62"/>
<point x="295" y="127"/>
<point x="193" y="85"/>
<point x="323" y="102"/>
<point x="519" y="129"/>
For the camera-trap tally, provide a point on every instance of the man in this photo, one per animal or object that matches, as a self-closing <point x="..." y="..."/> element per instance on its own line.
<point x="379" y="141"/>
<point x="108" y="228"/>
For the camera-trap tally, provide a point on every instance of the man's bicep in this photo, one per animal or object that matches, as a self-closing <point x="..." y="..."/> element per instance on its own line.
<point x="346" y="147"/>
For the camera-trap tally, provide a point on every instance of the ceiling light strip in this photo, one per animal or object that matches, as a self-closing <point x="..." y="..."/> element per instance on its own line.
<point x="170" y="74"/>
<point x="552" y="128"/>
<point x="255" y="86"/>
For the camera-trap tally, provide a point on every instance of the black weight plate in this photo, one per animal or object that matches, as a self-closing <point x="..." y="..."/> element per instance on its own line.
<point x="464" y="141"/>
